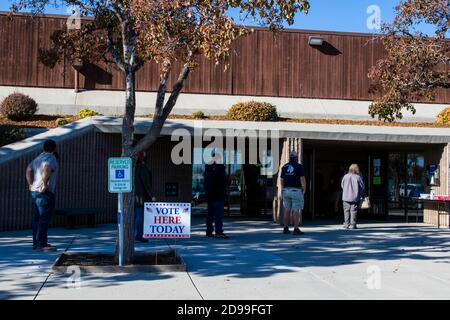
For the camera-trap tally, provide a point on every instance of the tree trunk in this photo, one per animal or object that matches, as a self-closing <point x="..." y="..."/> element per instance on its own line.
<point x="127" y="151"/>
<point x="129" y="68"/>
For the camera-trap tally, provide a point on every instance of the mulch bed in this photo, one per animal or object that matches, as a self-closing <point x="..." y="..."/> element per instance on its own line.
<point x="38" y="121"/>
<point x="107" y="259"/>
<point x="327" y="121"/>
<point x="370" y="123"/>
<point x="46" y="121"/>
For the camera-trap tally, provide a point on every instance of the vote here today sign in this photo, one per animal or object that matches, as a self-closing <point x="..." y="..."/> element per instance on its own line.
<point x="167" y="220"/>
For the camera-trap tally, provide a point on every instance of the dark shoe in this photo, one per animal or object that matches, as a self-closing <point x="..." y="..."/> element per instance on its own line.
<point x="286" y="230"/>
<point x="142" y="240"/>
<point x="222" y="236"/>
<point x="353" y="227"/>
<point x="209" y="235"/>
<point x="345" y="226"/>
<point x="47" y="248"/>
<point x="297" y="231"/>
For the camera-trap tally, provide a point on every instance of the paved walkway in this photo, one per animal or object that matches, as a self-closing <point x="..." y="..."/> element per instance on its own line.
<point x="378" y="261"/>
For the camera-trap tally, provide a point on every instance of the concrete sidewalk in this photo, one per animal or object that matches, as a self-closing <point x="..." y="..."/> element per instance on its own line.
<point x="377" y="261"/>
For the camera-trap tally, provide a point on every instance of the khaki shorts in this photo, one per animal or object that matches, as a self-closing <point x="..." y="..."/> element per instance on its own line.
<point x="293" y="199"/>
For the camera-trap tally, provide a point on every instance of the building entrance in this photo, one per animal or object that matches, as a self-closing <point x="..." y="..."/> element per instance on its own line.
<point x="249" y="189"/>
<point x="390" y="172"/>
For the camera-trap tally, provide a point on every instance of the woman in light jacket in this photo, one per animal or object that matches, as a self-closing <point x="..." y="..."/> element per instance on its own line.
<point x="352" y="195"/>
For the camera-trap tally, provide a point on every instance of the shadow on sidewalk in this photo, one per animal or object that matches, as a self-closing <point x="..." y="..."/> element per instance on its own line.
<point x="259" y="249"/>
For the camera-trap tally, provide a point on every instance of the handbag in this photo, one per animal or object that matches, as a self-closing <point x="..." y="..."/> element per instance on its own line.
<point x="365" y="204"/>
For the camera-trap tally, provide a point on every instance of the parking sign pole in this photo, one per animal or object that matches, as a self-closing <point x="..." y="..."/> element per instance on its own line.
<point x="120" y="181"/>
<point x="120" y="225"/>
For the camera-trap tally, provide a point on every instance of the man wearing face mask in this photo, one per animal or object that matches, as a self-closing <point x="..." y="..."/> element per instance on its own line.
<point x="42" y="174"/>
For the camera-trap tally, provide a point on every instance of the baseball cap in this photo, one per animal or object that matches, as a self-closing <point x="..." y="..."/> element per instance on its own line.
<point x="293" y="154"/>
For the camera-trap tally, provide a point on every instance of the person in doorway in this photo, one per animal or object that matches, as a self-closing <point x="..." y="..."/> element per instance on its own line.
<point x="352" y="195"/>
<point x="143" y="193"/>
<point x="42" y="175"/>
<point x="293" y="184"/>
<point x="215" y="187"/>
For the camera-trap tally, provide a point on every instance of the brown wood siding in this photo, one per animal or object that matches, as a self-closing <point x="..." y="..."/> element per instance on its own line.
<point x="163" y="171"/>
<point x="83" y="179"/>
<point x="82" y="183"/>
<point x="262" y="64"/>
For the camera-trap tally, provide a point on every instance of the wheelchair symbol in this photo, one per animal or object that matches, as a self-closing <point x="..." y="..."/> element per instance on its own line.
<point x="120" y="174"/>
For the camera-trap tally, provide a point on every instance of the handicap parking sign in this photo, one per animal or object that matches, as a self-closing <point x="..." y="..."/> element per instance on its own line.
<point x="120" y="175"/>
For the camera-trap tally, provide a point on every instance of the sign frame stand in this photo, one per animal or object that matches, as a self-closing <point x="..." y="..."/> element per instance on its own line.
<point x="154" y="210"/>
<point x="156" y="250"/>
<point x="175" y="251"/>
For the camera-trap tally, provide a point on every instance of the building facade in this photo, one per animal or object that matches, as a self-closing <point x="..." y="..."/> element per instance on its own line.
<point x="301" y="80"/>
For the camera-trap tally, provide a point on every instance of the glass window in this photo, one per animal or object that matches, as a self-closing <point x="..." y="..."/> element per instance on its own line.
<point x="415" y="168"/>
<point x="396" y="176"/>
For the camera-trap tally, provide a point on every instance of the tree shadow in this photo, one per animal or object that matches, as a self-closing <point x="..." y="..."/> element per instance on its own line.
<point x="259" y="249"/>
<point x="93" y="75"/>
<point x="256" y="249"/>
<point x="23" y="271"/>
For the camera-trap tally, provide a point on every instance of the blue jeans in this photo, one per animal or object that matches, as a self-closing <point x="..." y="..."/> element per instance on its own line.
<point x="44" y="206"/>
<point x="138" y="223"/>
<point x="215" y="214"/>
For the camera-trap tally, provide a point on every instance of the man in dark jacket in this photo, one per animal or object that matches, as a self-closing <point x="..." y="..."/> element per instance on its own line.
<point x="143" y="193"/>
<point x="215" y="186"/>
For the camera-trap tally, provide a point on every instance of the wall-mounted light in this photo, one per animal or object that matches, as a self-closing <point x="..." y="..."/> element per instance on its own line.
<point x="315" y="41"/>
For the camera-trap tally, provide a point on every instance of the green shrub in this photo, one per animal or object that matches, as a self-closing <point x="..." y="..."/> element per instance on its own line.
<point x="198" y="115"/>
<point x="18" y="106"/>
<point x="10" y="134"/>
<point x="61" y="122"/>
<point x="444" y="116"/>
<point x="253" y="111"/>
<point x="84" y="113"/>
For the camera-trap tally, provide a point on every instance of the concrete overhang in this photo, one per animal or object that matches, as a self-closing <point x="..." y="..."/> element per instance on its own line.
<point x="307" y="131"/>
<point x="331" y="132"/>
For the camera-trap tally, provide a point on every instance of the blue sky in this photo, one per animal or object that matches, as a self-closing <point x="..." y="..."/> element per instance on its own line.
<point x="331" y="15"/>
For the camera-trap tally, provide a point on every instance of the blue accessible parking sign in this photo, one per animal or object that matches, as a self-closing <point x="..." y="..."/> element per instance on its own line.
<point x="119" y="175"/>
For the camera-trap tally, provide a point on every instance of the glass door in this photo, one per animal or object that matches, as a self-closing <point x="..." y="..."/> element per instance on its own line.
<point x="233" y="168"/>
<point x="396" y="183"/>
<point x="377" y="185"/>
<point x="415" y="169"/>
<point x="406" y="178"/>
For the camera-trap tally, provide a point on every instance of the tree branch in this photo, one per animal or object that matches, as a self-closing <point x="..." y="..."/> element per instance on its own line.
<point x="161" y="95"/>
<point x="139" y="64"/>
<point x="115" y="55"/>
<point x="178" y="86"/>
<point x="161" y="115"/>
<point x="82" y="5"/>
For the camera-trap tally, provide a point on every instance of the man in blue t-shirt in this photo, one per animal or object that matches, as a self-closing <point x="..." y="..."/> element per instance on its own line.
<point x="293" y="184"/>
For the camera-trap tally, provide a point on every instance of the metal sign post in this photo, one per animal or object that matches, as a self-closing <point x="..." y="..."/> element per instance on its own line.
<point x="120" y="226"/>
<point x="120" y="182"/>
